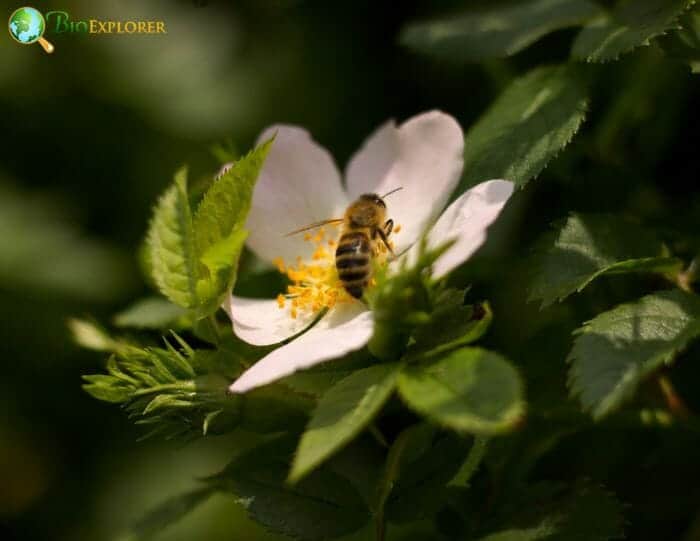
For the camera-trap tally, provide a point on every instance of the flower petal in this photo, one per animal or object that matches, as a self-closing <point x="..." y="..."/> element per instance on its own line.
<point x="299" y="184"/>
<point x="466" y="221"/>
<point x="369" y="165"/>
<point x="262" y="322"/>
<point x="340" y="332"/>
<point x="424" y="156"/>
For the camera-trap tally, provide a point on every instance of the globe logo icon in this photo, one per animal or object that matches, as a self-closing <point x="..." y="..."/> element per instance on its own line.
<point x="27" y="26"/>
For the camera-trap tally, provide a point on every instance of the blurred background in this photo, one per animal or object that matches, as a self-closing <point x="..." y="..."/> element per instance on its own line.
<point x="93" y="133"/>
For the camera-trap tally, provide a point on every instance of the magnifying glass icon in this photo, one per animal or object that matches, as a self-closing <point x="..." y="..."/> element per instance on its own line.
<point x="27" y="26"/>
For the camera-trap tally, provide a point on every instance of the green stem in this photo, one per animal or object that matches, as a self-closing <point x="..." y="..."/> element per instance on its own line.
<point x="386" y="483"/>
<point x="471" y="463"/>
<point x="387" y="342"/>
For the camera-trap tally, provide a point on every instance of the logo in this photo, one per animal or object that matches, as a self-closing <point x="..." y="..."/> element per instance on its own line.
<point x="27" y="25"/>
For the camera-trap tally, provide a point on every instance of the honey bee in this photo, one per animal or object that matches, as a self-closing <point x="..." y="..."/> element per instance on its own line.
<point x="365" y="224"/>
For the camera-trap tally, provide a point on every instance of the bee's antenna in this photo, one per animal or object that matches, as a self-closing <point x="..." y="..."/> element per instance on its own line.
<point x="392" y="191"/>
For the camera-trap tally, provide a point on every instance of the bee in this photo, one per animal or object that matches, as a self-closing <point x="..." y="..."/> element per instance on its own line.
<point x="365" y="224"/>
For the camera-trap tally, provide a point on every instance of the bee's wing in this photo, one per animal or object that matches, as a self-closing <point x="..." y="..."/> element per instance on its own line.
<point x="315" y="225"/>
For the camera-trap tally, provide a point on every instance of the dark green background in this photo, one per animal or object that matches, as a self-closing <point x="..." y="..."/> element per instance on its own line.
<point x="92" y="134"/>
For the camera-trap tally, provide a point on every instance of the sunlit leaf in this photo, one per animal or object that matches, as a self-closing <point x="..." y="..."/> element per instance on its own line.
<point x="631" y="24"/>
<point x="224" y="208"/>
<point x="589" y="245"/>
<point x="342" y="413"/>
<point x="614" y="352"/>
<point x="221" y="261"/>
<point x="527" y="126"/>
<point x="496" y="30"/>
<point x="174" y="258"/>
<point x="218" y="225"/>
<point x="470" y="390"/>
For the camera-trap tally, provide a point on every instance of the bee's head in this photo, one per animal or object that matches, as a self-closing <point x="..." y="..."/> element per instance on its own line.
<point x="368" y="210"/>
<point x="373" y="198"/>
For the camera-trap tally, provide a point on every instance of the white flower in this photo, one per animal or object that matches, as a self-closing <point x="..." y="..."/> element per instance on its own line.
<point x="300" y="184"/>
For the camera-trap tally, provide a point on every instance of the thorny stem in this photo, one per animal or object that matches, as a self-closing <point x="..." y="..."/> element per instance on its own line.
<point x="675" y="403"/>
<point x="685" y="278"/>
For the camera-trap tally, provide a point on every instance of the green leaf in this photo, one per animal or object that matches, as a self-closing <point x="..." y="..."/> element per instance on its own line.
<point x="421" y="463"/>
<point x="495" y="31"/>
<point x="224" y="208"/>
<point x="218" y="226"/>
<point x="150" y="313"/>
<point x="322" y="506"/>
<point x="589" y="245"/>
<point x="527" y="126"/>
<point x="452" y="324"/>
<point x="176" y="389"/>
<point x="684" y="44"/>
<point x="107" y="388"/>
<point x="414" y="439"/>
<point x="631" y="24"/>
<point x="614" y="352"/>
<point x="587" y="513"/>
<point x="194" y="261"/>
<point x="174" y="257"/>
<point x="341" y="414"/>
<point x="470" y="390"/>
<point x="221" y="260"/>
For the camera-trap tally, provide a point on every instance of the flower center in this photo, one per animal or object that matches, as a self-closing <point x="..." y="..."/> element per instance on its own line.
<point x="315" y="284"/>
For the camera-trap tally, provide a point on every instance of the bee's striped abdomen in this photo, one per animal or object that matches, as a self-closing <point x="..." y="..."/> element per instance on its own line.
<point x="352" y="259"/>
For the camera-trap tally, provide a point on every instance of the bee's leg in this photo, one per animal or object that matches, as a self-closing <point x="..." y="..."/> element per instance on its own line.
<point x="384" y="236"/>
<point x="388" y="227"/>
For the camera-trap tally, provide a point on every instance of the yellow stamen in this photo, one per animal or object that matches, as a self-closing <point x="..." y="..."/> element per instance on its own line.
<point x="397" y="229"/>
<point x="315" y="283"/>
